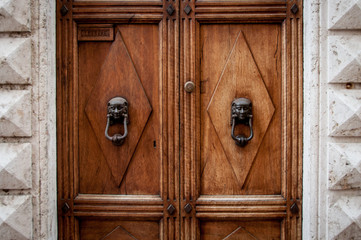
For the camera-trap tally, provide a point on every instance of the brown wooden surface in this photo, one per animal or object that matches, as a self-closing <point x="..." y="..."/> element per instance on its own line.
<point x="238" y="62"/>
<point x="249" y="230"/>
<point x="115" y="230"/>
<point x="179" y="150"/>
<point x="97" y="154"/>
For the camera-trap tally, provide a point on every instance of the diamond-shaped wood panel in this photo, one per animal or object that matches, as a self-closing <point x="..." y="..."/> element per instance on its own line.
<point x="240" y="78"/>
<point x="240" y="233"/>
<point x="118" y="77"/>
<point x="119" y="233"/>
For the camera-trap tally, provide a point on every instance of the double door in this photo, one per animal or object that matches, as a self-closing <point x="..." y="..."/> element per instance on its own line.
<point x="179" y="119"/>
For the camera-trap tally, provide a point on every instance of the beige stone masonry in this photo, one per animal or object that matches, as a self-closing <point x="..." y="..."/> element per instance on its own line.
<point x="343" y="39"/>
<point x="19" y="124"/>
<point x="15" y="217"/>
<point x="332" y="119"/>
<point x="15" y="15"/>
<point x="344" y="166"/>
<point x="15" y="60"/>
<point x="15" y="166"/>
<point x="345" y="113"/>
<point x="344" y="55"/>
<point x="15" y="113"/>
<point x="344" y="14"/>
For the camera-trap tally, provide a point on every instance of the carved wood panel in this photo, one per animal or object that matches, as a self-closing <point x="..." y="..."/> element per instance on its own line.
<point x="179" y="173"/>
<point x="238" y="75"/>
<point x="247" y="230"/>
<point x="143" y="124"/>
<point x="105" y="50"/>
<point x="249" y="49"/>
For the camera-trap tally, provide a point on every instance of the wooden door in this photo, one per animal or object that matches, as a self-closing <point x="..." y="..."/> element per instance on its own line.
<point x="253" y="50"/>
<point x="178" y="174"/>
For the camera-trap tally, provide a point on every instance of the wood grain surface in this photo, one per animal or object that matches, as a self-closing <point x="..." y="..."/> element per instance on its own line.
<point x="179" y="153"/>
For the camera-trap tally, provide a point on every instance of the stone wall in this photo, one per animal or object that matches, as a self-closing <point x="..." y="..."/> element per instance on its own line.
<point x="342" y="69"/>
<point x="27" y="120"/>
<point x="332" y="156"/>
<point x="332" y="119"/>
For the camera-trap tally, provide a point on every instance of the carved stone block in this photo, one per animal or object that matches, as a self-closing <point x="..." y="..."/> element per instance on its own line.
<point x="15" y="60"/>
<point x="15" y="113"/>
<point x="345" y="113"/>
<point x="15" y="217"/>
<point x="344" y="54"/>
<point x="15" y="166"/>
<point x="344" y="14"/>
<point x="15" y="15"/>
<point x="344" y="218"/>
<point x="344" y="166"/>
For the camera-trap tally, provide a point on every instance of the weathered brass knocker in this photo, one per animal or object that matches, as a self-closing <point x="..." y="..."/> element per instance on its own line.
<point x="241" y="113"/>
<point x="117" y="113"/>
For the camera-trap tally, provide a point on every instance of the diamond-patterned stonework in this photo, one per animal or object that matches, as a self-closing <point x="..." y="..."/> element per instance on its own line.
<point x="118" y="78"/>
<point x="15" y="217"/>
<point x="344" y="14"/>
<point x="15" y="60"/>
<point x="15" y="165"/>
<point x="345" y="113"/>
<point x="14" y="15"/>
<point x="344" y="54"/>
<point x="344" y="165"/>
<point x="344" y="218"/>
<point x="15" y="113"/>
<point x="240" y="78"/>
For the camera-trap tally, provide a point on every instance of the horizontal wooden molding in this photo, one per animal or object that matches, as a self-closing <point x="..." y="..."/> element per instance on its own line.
<point x="241" y="200"/>
<point x="118" y="199"/>
<point x="121" y="215"/>
<point x="237" y="215"/>
<point x="116" y="2"/>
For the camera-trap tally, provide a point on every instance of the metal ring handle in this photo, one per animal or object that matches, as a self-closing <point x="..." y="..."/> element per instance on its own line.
<point x="117" y="139"/>
<point x="241" y="140"/>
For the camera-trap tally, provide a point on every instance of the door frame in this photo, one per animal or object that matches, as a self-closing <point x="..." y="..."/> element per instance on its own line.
<point x="311" y="119"/>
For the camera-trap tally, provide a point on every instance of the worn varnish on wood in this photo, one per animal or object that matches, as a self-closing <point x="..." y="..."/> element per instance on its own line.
<point x="179" y="174"/>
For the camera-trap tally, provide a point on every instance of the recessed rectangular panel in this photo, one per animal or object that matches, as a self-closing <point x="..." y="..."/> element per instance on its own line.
<point x="240" y="61"/>
<point x="245" y="230"/>
<point x="127" y="67"/>
<point x="106" y="229"/>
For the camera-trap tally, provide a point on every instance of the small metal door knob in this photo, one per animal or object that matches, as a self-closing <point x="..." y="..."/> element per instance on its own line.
<point x="189" y="86"/>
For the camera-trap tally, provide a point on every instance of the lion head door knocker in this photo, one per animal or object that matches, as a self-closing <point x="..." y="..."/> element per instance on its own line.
<point x="241" y="114"/>
<point x="117" y="113"/>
